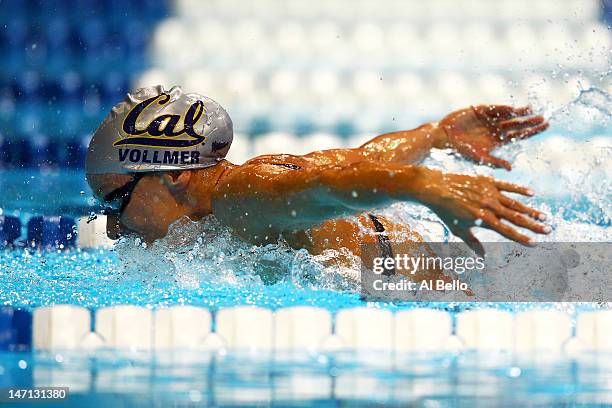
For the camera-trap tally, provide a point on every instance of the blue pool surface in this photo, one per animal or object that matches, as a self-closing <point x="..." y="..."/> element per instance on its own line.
<point x="200" y="379"/>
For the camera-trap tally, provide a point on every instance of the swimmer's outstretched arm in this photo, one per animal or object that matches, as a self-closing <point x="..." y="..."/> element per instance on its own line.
<point x="264" y="197"/>
<point x="472" y="132"/>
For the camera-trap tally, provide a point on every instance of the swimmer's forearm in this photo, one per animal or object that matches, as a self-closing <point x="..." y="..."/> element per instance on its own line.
<point x="255" y="198"/>
<point x="370" y="184"/>
<point x="359" y="185"/>
<point x="406" y="146"/>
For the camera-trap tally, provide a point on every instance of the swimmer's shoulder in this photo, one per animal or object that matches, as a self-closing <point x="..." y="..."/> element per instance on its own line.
<point x="280" y="161"/>
<point x="314" y="159"/>
<point x="282" y="165"/>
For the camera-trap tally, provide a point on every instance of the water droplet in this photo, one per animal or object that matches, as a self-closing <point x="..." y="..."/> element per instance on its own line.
<point x="195" y="395"/>
<point x="514" y="372"/>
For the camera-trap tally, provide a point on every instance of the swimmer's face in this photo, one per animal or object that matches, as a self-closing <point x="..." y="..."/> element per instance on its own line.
<point x="146" y="206"/>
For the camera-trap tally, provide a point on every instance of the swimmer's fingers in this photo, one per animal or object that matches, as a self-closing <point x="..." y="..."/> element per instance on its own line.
<point x="522" y="208"/>
<point x="527" y="132"/>
<point x="521" y="123"/>
<point x="522" y="220"/>
<point x="473" y="242"/>
<point x="494" y="223"/>
<point x="495" y="162"/>
<point x="502" y="112"/>
<point x="512" y="188"/>
<point x="523" y="110"/>
<point x="469" y="238"/>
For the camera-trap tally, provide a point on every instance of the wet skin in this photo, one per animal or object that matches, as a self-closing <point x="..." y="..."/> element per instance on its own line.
<point x="310" y="199"/>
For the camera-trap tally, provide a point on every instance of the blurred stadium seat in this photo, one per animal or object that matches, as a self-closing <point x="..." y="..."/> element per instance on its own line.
<point x="65" y="63"/>
<point x="290" y="68"/>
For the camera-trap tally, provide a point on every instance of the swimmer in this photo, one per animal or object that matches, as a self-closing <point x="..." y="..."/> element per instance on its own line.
<point x="159" y="156"/>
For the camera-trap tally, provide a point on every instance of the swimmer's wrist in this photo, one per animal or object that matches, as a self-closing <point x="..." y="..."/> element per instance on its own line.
<point x="426" y="185"/>
<point x="440" y="137"/>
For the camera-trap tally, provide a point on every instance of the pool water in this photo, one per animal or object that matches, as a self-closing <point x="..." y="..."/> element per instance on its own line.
<point x="201" y="379"/>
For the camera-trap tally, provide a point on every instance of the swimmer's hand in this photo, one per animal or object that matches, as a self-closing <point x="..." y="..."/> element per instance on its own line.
<point x="474" y="132"/>
<point x="463" y="201"/>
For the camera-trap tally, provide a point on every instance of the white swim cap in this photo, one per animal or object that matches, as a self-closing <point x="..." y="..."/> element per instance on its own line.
<point x="154" y="130"/>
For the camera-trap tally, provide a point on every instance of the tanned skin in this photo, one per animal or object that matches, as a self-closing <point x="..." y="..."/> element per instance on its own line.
<point x="308" y="200"/>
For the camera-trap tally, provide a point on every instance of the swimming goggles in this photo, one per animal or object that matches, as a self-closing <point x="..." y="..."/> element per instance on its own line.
<point x="117" y="200"/>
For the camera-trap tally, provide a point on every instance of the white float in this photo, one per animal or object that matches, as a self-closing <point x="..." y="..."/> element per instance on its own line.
<point x="92" y="233"/>
<point x="181" y="327"/>
<point x="486" y="329"/>
<point x="365" y="328"/>
<point x="420" y="330"/>
<point x="541" y="330"/>
<point x="246" y="328"/>
<point x="125" y="327"/>
<point x="301" y="327"/>
<point x="60" y="327"/>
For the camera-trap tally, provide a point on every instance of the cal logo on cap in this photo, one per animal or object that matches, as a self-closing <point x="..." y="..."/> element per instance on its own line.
<point x="155" y="130"/>
<point x="164" y="130"/>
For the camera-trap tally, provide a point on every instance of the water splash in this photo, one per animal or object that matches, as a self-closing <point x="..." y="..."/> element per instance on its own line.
<point x="207" y="252"/>
<point x="570" y="176"/>
<point x="589" y="113"/>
